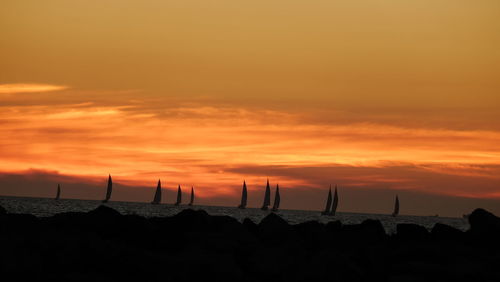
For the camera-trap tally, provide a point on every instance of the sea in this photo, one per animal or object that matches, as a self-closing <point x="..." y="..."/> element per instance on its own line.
<point x="45" y="207"/>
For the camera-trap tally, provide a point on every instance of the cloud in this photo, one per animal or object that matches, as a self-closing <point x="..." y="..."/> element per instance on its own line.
<point x="365" y="199"/>
<point x="29" y="88"/>
<point x="215" y="146"/>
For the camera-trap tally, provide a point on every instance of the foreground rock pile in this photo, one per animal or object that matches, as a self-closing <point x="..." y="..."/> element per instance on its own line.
<point x="103" y="245"/>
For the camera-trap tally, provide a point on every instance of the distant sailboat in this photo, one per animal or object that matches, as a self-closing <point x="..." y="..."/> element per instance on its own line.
<point x="267" y="198"/>
<point x="243" y="197"/>
<point x="192" y="197"/>
<point x="396" y="207"/>
<point x="179" y="196"/>
<point x="277" y="199"/>
<point x="328" y="202"/>
<point x="335" y="202"/>
<point x="58" y="195"/>
<point x="157" y="198"/>
<point x="110" y="189"/>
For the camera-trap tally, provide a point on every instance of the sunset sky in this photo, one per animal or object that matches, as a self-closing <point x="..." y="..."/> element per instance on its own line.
<point x="381" y="97"/>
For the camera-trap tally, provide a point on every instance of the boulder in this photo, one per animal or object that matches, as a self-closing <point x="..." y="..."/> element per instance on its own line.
<point x="251" y="226"/>
<point x="373" y="230"/>
<point x="484" y="223"/>
<point x="333" y="226"/>
<point x="274" y="229"/>
<point x="104" y="220"/>
<point x="191" y="220"/>
<point x="21" y="224"/>
<point x="443" y="232"/>
<point x="368" y="232"/>
<point x="104" y="212"/>
<point x="411" y="232"/>
<point x="226" y="224"/>
<point x="313" y="233"/>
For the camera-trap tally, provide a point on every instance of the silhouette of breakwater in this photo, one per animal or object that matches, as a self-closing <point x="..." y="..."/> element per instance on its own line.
<point x="104" y="245"/>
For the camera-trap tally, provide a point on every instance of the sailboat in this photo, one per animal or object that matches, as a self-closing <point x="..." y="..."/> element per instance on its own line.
<point x="179" y="196"/>
<point x="328" y="202"/>
<point x="110" y="189"/>
<point x="396" y="207"/>
<point x="243" y="197"/>
<point x="157" y="198"/>
<point x="192" y="197"/>
<point x="267" y="198"/>
<point x="277" y="199"/>
<point x="335" y="202"/>
<point x="58" y="195"/>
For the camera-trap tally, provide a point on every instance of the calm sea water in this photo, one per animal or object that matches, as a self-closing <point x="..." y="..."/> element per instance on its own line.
<point x="44" y="207"/>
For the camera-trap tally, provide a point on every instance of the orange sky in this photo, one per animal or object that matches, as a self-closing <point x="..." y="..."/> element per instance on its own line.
<point x="381" y="97"/>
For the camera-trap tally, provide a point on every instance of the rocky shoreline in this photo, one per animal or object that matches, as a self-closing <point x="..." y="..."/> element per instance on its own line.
<point x="103" y="245"/>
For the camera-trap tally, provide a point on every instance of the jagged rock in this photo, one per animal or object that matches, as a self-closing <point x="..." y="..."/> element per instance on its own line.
<point x="193" y="245"/>
<point x="413" y="232"/>
<point x="104" y="212"/>
<point x="231" y="228"/>
<point x="19" y="223"/>
<point x="225" y="224"/>
<point x="445" y="232"/>
<point x="67" y="220"/>
<point x="373" y="230"/>
<point x="251" y="226"/>
<point x="312" y="233"/>
<point x="191" y="220"/>
<point x="484" y="224"/>
<point x="333" y="226"/>
<point x="274" y="229"/>
<point x="368" y="232"/>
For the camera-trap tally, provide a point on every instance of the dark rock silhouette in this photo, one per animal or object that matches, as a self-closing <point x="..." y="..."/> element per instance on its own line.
<point x="411" y="232"/>
<point x="445" y="232"/>
<point x="273" y="229"/>
<point x="333" y="226"/>
<point x="104" y="245"/>
<point x="484" y="223"/>
<point x="104" y="212"/>
<point x="2" y="210"/>
<point x="251" y="226"/>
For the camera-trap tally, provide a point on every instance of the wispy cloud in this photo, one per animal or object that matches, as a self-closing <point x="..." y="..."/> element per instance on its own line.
<point x="215" y="146"/>
<point x="29" y="88"/>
